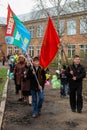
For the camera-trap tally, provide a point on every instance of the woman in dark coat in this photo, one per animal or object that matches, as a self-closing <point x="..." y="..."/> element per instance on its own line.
<point x="18" y="74"/>
<point x="25" y="83"/>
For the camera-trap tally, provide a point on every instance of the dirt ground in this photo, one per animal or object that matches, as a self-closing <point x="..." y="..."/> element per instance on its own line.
<point x="56" y="113"/>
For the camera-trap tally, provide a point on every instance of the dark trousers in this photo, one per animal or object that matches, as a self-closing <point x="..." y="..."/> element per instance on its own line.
<point x="76" y="100"/>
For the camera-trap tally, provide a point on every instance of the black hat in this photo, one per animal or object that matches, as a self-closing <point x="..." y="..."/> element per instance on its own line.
<point x="36" y="58"/>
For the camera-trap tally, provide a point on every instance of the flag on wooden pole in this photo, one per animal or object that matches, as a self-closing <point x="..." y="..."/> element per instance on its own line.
<point x="16" y="32"/>
<point x="50" y="45"/>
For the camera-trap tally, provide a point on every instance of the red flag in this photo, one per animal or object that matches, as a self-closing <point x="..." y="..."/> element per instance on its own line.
<point x="10" y="23"/>
<point x="50" y="45"/>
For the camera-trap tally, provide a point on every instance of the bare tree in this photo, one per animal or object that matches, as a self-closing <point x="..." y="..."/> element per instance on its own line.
<point x="51" y="7"/>
<point x="59" y="7"/>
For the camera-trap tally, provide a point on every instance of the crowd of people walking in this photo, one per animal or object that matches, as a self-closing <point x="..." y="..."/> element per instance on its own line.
<point x="30" y="78"/>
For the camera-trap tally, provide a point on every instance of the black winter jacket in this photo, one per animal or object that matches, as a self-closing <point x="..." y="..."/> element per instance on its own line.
<point x="79" y="73"/>
<point x="40" y="73"/>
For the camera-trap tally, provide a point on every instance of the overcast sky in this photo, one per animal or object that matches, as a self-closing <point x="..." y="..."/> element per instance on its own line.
<point x="18" y="6"/>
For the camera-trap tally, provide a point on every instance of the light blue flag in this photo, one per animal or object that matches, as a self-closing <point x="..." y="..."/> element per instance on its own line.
<point x="25" y="36"/>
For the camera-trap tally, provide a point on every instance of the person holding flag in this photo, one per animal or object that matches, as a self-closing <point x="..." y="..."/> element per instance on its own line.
<point x="50" y="46"/>
<point x="75" y="73"/>
<point x="37" y="83"/>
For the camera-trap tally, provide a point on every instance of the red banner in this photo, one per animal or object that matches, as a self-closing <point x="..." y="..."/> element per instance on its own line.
<point x="10" y="23"/>
<point x="50" y="45"/>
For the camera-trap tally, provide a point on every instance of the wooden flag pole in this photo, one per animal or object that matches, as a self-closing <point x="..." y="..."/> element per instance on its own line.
<point x="65" y="56"/>
<point x="64" y="53"/>
<point x="33" y="69"/>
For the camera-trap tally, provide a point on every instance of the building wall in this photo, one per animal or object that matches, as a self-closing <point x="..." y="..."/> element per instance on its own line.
<point x="76" y="39"/>
<point x="3" y="48"/>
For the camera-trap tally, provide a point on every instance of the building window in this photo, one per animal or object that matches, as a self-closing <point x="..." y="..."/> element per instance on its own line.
<point x="9" y="50"/>
<point x="39" y="31"/>
<point x="16" y="50"/>
<point x="71" y="51"/>
<point x="31" y="51"/>
<point x="31" y="30"/>
<point x="71" y="27"/>
<point x="38" y="50"/>
<point x="83" y="25"/>
<point x="61" y="27"/>
<point x="83" y="50"/>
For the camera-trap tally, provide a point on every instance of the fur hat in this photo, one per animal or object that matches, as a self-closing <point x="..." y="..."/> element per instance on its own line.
<point x="21" y="56"/>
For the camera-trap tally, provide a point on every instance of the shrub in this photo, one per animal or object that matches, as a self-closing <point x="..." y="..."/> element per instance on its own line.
<point x="3" y="77"/>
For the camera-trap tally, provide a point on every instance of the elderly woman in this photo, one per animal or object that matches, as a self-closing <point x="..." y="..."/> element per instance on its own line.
<point x="25" y="83"/>
<point x="18" y="74"/>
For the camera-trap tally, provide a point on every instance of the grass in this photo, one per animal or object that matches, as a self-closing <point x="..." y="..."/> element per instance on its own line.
<point x="85" y="93"/>
<point x="3" y="77"/>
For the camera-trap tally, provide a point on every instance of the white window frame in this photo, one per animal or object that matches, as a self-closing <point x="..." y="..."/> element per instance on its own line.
<point x="39" y="30"/>
<point x="9" y="50"/>
<point x="83" y="25"/>
<point x="70" y="48"/>
<point x="31" y="30"/>
<point x="61" y="27"/>
<point x="16" y="50"/>
<point x="31" y="50"/>
<point x="71" y="27"/>
<point x="38" y="48"/>
<point x="83" y="49"/>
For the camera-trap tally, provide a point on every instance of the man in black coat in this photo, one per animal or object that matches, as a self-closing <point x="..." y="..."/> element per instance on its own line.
<point x="76" y="72"/>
